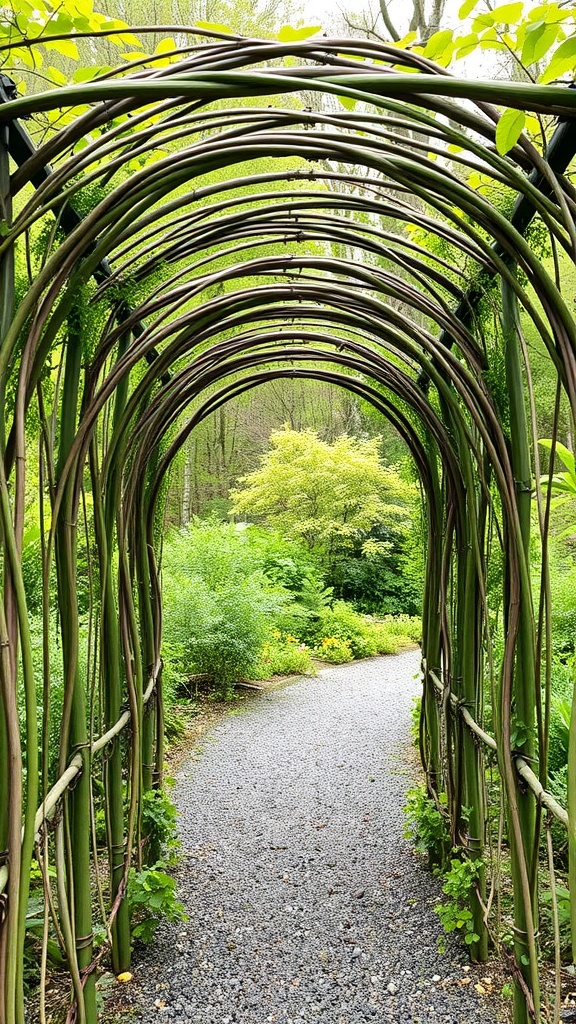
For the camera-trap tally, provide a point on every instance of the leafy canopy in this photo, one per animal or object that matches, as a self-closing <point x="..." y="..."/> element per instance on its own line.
<point x="320" y="493"/>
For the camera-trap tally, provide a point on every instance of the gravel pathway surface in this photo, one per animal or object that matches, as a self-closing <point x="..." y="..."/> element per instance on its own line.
<point x="305" y="902"/>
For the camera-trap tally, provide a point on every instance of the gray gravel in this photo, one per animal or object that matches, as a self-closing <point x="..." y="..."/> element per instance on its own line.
<point x="305" y="902"/>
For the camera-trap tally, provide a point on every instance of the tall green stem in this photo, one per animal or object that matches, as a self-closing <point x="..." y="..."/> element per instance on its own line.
<point x="524" y="682"/>
<point x="74" y="738"/>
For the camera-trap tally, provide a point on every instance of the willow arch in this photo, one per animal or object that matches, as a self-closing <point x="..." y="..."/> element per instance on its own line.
<point x="116" y="297"/>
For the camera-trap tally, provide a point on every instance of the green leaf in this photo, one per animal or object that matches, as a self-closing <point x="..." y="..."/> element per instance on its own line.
<point x="538" y="42"/>
<point x="122" y="39"/>
<point x="439" y="43"/>
<point x="465" y="45"/>
<point x="466" y="9"/>
<point x="212" y="26"/>
<point x="56" y="76"/>
<point x="31" y="535"/>
<point x="87" y="74"/>
<point x="564" y="454"/>
<point x="507" y="14"/>
<point x="64" y="46"/>
<point x="136" y="55"/>
<point x="287" y="34"/>
<point x="509" y="129"/>
<point x="484" y="20"/>
<point x="166" y="46"/>
<point x="348" y="101"/>
<point x="564" y="59"/>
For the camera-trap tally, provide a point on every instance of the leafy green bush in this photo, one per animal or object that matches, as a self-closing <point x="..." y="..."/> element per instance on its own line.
<point x="219" y="606"/>
<point x="426" y="826"/>
<point x="378" y="575"/>
<point x="159" y="825"/>
<point x="404" y="627"/>
<point x="343" y="622"/>
<point x="334" y="649"/>
<point x="563" y="592"/>
<point x="283" y="656"/>
<point x="366" y="636"/>
<point x="151" y="896"/>
<point x="290" y="567"/>
<point x="456" y="915"/>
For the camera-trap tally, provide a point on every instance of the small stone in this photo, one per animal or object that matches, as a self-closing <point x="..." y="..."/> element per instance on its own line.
<point x="391" y="988"/>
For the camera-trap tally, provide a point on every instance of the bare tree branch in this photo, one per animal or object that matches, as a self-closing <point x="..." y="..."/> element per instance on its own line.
<point x="395" y="36"/>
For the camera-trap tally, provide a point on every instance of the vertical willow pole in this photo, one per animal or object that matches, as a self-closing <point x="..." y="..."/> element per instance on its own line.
<point x="74" y="735"/>
<point x="147" y="632"/>
<point x="111" y="674"/>
<point x="524" y="685"/>
<point x="10" y="755"/>
<point x="111" y="689"/>
<point x="431" y="633"/>
<point x="468" y="672"/>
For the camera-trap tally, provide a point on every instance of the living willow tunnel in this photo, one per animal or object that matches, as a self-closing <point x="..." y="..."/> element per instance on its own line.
<point x="261" y="210"/>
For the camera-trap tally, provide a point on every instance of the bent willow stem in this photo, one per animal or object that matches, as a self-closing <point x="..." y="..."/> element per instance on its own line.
<point x="197" y="230"/>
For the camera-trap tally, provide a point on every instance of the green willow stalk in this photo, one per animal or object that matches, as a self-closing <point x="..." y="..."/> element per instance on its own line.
<point x="223" y="307"/>
<point x="524" y="677"/>
<point x="74" y="737"/>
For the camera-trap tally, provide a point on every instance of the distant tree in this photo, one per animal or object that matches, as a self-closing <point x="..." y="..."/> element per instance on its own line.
<point x="328" y="496"/>
<point x="383" y="21"/>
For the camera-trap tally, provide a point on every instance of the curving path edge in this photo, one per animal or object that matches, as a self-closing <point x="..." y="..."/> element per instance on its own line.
<point x="305" y="903"/>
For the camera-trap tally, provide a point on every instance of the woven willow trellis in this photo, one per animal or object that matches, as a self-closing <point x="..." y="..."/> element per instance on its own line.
<point x="153" y="287"/>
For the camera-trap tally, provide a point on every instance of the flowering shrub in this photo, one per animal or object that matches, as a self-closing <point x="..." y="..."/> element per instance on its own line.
<point x="283" y="656"/>
<point x="408" y="628"/>
<point x="365" y="635"/>
<point x="334" y="649"/>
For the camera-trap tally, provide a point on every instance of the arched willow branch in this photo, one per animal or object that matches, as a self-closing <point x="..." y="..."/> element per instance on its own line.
<point x="345" y="246"/>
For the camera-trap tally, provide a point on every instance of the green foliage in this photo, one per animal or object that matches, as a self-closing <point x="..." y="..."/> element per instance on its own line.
<point x="283" y="656"/>
<point x="291" y="568"/>
<point x="365" y="636"/>
<point x="325" y="495"/>
<point x="425" y="824"/>
<point x="415" y="712"/>
<point x="237" y="597"/>
<point x="55" y="692"/>
<point x="540" y="36"/>
<point x="509" y="129"/>
<point x="563" y="902"/>
<point x="382" y="573"/>
<point x="151" y="895"/>
<point x="334" y="649"/>
<point x="218" y="604"/>
<point x="563" y="590"/>
<point x="562" y="485"/>
<point x="455" y="914"/>
<point x="404" y="627"/>
<point x="159" y="824"/>
<point x="560" y="713"/>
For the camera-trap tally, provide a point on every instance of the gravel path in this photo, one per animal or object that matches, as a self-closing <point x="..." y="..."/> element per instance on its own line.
<point x="305" y="902"/>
